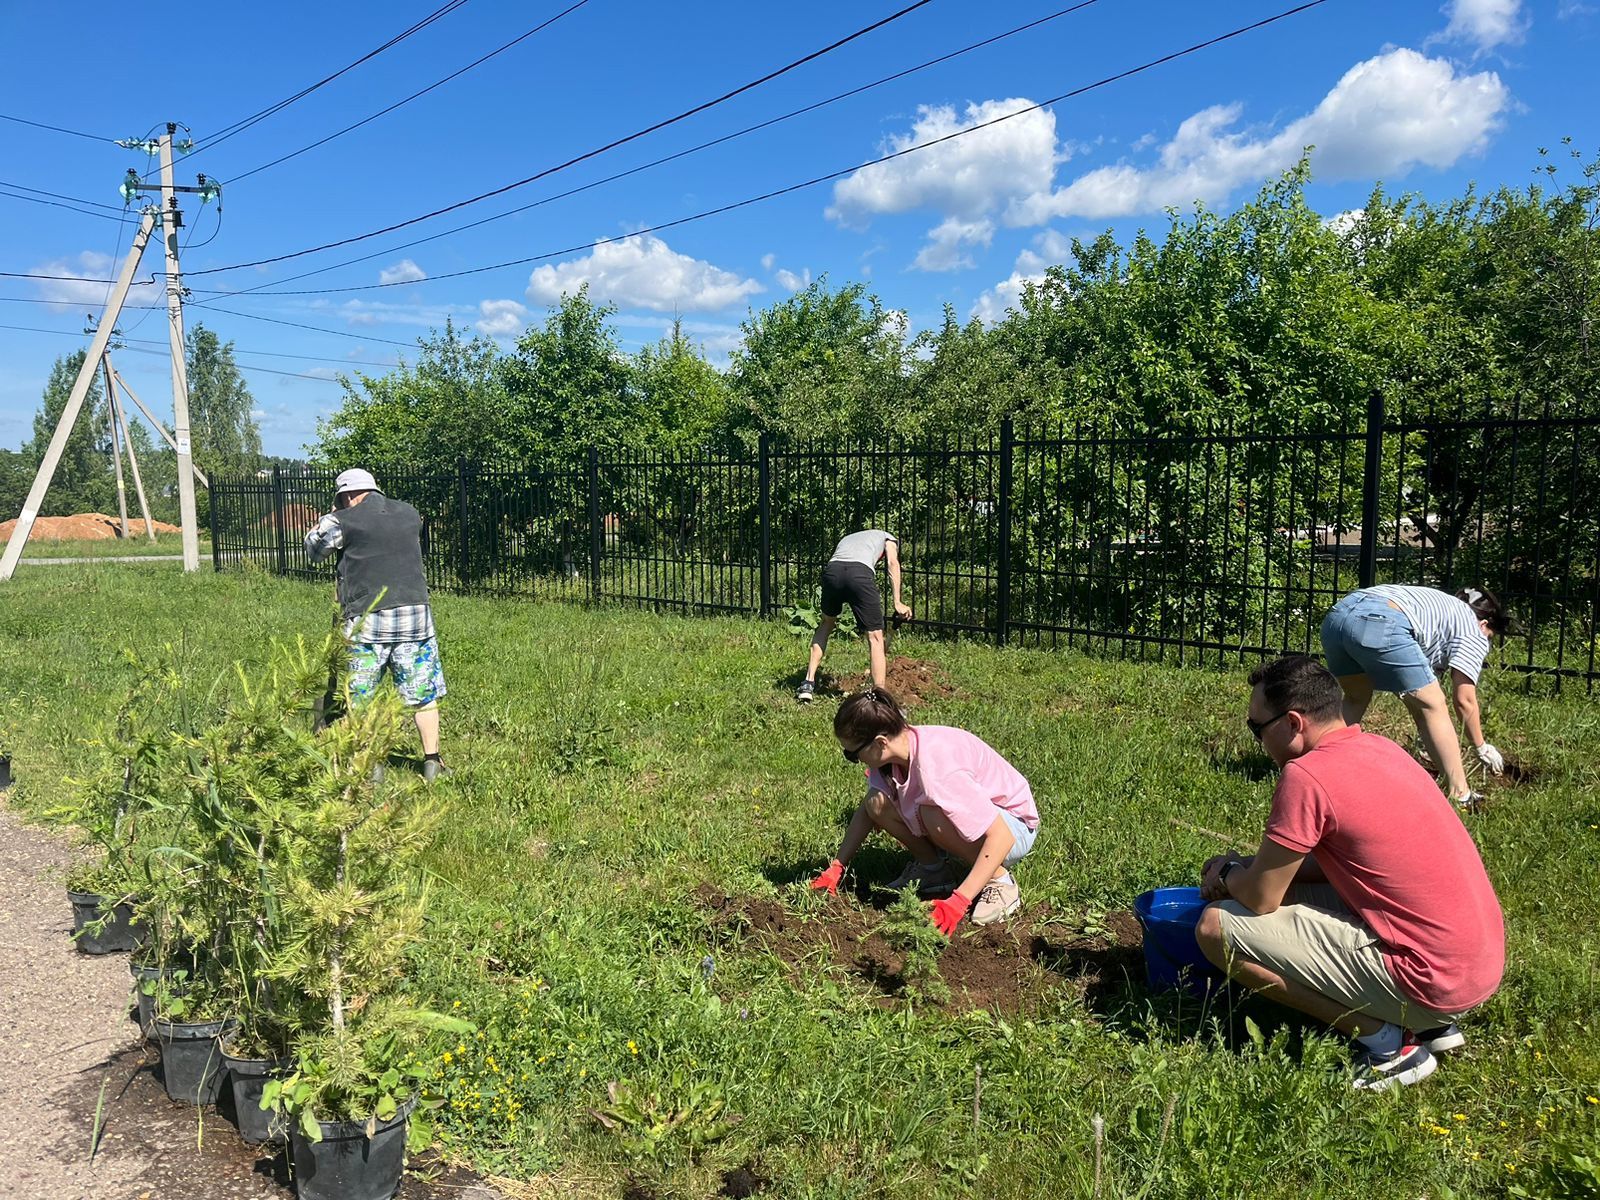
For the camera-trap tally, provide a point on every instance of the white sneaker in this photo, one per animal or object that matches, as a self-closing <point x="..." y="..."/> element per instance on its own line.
<point x="997" y="902"/>
<point x="925" y="877"/>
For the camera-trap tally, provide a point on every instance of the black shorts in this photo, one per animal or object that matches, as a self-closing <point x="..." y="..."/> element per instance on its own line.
<point x="855" y="584"/>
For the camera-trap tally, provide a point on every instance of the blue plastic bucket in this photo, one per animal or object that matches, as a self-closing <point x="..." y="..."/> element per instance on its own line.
<point x="1172" y="957"/>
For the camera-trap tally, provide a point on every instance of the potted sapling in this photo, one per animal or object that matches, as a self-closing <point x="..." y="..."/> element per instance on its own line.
<point x="119" y="815"/>
<point x="248" y="777"/>
<point x="349" y="890"/>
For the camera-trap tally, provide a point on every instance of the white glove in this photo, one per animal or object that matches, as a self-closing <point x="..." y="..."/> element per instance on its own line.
<point x="1492" y="758"/>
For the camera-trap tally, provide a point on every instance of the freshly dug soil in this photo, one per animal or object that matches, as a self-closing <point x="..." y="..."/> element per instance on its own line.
<point x="1009" y="968"/>
<point x="84" y="527"/>
<point x="912" y="680"/>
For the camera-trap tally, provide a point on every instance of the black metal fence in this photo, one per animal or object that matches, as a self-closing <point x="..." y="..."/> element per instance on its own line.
<point x="1209" y="543"/>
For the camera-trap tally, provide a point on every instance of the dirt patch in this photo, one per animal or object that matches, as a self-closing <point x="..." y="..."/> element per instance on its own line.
<point x="747" y="1180"/>
<point x="84" y="527"/>
<point x="1009" y="968"/>
<point x="297" y="518"/>
<point x="912" y="680"/>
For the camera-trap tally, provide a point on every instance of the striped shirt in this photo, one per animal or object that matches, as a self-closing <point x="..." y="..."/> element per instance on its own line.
<point x="386" y="626"/>
<point x="1445" y="627"/>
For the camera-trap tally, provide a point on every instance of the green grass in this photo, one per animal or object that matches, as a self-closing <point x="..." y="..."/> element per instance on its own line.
<point x="135" y="546"/>
<point x="609" y="761"/>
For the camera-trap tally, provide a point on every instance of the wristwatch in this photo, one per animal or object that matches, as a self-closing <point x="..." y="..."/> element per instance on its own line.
<point x="1222" y="875"/>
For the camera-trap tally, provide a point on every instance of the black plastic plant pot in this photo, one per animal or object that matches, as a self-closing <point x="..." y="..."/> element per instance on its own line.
<point x="5" y="772"/>
<point x="121" y="932"/>
<point x="147" y="1003"/>
<point x="248" y="1078"/>
<point x="347" y="1164"/>
<point x="191" y="1058"/>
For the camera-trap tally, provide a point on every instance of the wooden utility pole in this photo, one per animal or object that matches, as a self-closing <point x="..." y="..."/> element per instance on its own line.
<point x="74" y="406"/>
<point x="172" y="222"/>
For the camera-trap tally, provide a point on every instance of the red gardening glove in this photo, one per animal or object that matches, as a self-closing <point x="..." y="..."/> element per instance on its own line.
<point x="828" y="881"/>
<point x="947" y="913"/>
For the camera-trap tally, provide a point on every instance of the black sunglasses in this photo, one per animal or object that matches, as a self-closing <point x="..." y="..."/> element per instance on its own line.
<point x="854" y="756"/>
<point x="1258" y="730"/>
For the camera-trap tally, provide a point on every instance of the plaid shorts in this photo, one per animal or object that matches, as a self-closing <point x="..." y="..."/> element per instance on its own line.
<point x="417" y="670"/>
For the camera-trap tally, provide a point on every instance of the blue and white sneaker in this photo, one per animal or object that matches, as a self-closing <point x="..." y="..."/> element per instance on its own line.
<point x="1375" y="1072"/>
<point x="1441" y="1039"/>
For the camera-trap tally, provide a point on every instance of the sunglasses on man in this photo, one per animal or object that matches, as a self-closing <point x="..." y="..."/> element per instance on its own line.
<point x="1258" y="730"/>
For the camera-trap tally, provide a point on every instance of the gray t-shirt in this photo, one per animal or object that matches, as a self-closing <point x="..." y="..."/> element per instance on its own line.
<point x="865" y="547"/>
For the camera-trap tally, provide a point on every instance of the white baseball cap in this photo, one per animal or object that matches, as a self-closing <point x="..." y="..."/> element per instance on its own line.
<point x="355" y="480"/>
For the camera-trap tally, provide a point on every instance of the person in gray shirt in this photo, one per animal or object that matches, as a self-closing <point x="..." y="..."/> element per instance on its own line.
<point x="383" y="598"/>
<point x="851" y="577"/>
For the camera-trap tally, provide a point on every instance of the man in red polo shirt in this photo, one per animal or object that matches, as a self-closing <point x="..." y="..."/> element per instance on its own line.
<point x="1367" y="905"/>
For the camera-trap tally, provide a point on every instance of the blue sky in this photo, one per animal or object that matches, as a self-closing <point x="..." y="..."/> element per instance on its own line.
<point x="1421" y="97"/>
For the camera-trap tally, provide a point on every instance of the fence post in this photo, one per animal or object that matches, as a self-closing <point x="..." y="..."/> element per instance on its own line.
<point x="464" y="548"/>
<point x="1373" y="468"/>
<point x="1002" y="621"/>
<point x="277" y="520"/>
<point x="596" y="529"/>
<point x="764" y="476"/>
<point x="211" y="520"/>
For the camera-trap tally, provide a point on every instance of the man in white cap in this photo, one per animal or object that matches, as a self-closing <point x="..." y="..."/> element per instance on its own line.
<point x="383" y="597"/>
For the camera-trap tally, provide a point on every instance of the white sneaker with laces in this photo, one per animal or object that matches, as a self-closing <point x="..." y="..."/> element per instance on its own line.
<point x="997" y="901"/>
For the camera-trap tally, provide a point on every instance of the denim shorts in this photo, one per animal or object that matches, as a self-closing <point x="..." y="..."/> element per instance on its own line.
<point x="1364" y="635"/>
<point x="1021" y="835"/>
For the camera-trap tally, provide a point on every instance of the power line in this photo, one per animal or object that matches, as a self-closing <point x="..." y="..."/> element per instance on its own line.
<point x="738" y="133"/>
<point x="831" y="175"/>
<point x="55" y="128"/>
<point x="414" y="95"/>
<point x="135" y="346"/>
<point x="244" y="123"/>
<point x="612" y="145"/>
<point x="364" y="337"/>
<point x="84" y="212"/>
<point x="245" y="367"/>
<point x="116" y="208"/>
<point x="210" y="307"/>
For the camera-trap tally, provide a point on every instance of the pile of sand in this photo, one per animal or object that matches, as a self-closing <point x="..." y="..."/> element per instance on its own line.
<point x="83" y="527"/>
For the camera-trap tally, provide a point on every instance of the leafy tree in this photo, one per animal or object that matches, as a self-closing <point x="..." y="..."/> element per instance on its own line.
<point x="82" y="481"/>
<point x="569" y="385"/>
<point x="822" y="363"/>
<point x="451" y="405"/>
<point x="225" y="435"/>
<point x="685" y="395"/>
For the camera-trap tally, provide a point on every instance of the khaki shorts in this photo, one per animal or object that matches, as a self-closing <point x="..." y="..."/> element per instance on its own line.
<point x="1317" y="942"/>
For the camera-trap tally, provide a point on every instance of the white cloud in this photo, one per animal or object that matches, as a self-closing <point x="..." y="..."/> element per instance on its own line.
<point x="380" y="312"/>
<point x="501" y="318"/>
<point x="767" y="261"/>
<point x="790" y="282"/>
<point x="965" y="179"/>
<point x="1484" y="23"/>
<point x="1050" y="248"/>
<point x="945" y="241"/>
<point x="404" y="271"/>
<point x="1385" y="116"/>
<point x="642" y="272"/>
<point x="76" y="291"/>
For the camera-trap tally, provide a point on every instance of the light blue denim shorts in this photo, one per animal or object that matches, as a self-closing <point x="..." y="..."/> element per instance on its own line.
<point x="1021" y="835"/>
<point x="1364" y="635"/>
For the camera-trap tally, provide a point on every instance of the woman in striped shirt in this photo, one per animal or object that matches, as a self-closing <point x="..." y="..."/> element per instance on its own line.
<point x="1395" y="638"/>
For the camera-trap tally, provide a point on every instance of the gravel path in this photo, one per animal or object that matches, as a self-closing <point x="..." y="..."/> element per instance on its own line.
<point x="69" y="1038"/>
